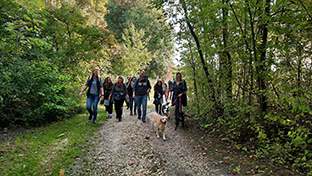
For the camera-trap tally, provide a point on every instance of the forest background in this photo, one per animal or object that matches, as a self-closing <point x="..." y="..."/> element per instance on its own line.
<point x="247" y="63"/>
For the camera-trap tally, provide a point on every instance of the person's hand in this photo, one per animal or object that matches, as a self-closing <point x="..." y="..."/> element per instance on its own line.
<point x="109" y="98"/>
<point x="127" y="100"/>
<point x="80" y="94"/>
<point x="133" y="96"/>
<point x="102" y="97"/>
<point x="180" y="95"/>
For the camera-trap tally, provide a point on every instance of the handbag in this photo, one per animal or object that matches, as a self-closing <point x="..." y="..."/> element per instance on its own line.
<point x="106" y="103"/>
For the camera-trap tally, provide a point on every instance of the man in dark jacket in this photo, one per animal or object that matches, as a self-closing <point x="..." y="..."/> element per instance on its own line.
<point x="141" y="88"/>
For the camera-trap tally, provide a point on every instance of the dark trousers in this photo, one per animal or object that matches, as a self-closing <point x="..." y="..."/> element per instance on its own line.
<point x="118" y="108"/>
<point x="158" y="108"/>
<point x="176" y="112"/>
<point x="109" y="108"/>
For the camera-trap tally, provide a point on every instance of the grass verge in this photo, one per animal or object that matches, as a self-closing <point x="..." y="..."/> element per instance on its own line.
<point x="51" y="149"/>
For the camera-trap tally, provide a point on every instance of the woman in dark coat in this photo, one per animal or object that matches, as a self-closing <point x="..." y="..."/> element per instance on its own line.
<point x="179" y="94"/>
<point x="130" y="86"/>
<point x="108" y="85"/>
<point x="119" y="93"/>
<point x="158" y="93"/>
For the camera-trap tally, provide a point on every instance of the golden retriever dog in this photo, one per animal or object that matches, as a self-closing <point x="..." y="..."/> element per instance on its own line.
<point x="158" y="122"/>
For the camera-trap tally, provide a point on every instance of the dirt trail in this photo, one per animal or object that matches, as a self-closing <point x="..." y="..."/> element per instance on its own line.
<point x="131" y="147"/>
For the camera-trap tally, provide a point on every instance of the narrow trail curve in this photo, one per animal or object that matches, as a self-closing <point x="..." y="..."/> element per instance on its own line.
<point x="131" y="147"/>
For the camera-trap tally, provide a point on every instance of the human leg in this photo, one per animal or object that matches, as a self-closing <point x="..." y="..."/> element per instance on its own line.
<point x="139" y="103"/>
<point x="95" y="107"/>
<point x="144" y="104"/>
<point x="89" y="104"/>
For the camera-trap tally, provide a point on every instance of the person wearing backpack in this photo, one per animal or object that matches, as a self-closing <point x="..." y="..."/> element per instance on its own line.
<point x="95" y="91"/>
<point x="141" y="90"/>
<point x="118" y="94"/>
<point x="179" y="97"/>
<point x="108" y="86"/>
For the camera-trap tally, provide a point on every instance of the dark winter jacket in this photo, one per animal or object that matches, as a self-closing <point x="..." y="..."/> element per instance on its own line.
<point x="141" y="86"/>
<point x="178" y="89"/>
<point x="157" y="90"/>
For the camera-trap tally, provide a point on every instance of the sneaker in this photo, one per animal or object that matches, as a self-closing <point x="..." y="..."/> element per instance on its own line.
<point x="90" y="117"/>
<point x="139" y="117"/>
<point x="110" y="115"/>
<point x="119" y="120"/>
<point x="134" y="113"/>
<point x="131" y="114"/>
<point x="94" y="121"/>
<point x="143" y="121"/>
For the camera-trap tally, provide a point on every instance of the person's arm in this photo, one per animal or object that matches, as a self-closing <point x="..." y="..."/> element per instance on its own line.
<point x="148" y="86"/>
<point x="185" y="87"/>
<point x="112" y="91"/>
<point x="83" y="89"/>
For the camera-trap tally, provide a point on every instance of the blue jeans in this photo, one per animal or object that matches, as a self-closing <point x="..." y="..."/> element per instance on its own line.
<point x="95" y="100"/>
<point x="141" y="100"/>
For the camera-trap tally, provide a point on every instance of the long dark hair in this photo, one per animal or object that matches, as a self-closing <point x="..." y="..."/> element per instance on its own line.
<point x="107" y="84"/>
<point x="129" y="82"/>
<point x="158" y="82"/>
<point x="179" y="73"/>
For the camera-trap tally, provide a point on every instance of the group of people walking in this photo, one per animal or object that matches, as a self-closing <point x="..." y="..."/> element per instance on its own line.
<point x="134" y="92"/>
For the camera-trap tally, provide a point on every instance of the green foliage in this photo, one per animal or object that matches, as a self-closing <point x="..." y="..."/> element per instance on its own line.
<point x="249" y="68"/>
<point x="157" y="32"/>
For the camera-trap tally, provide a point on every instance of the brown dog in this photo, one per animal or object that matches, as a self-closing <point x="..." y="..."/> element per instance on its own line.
<point x="158" y="122"/>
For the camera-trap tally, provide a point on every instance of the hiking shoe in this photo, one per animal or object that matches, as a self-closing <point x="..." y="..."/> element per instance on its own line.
<point x="119" y="120"/>
<point x="90" y="117"/>
<point x="139" y="117"/>
<point x="143" y="121"/>
<point x="94" y="121"/>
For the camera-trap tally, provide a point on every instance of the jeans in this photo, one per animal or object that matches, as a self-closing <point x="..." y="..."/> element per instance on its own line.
<point x="141" y="100"/>
<point x="93" y="98"/>
<point x="131" y="101"/>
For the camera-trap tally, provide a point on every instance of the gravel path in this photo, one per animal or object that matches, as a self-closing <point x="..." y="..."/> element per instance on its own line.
<point x="131" y="147"/>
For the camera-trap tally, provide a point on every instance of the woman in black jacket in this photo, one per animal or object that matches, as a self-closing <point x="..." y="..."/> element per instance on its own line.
<point x="158" y="93"/>
<point x="119" y="93"/>
<point x="130" y="86"/>
<point x="108" y="85"/>
<point x="179" y="97"/>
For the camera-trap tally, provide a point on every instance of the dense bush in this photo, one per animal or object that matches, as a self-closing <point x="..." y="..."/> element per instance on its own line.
<point x="33" y="91"/>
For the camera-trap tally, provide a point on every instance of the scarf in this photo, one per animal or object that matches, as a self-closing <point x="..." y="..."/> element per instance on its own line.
<point x="119" y="85"/>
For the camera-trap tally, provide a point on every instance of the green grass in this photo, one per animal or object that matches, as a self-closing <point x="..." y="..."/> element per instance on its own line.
<point x="46" y="150"/>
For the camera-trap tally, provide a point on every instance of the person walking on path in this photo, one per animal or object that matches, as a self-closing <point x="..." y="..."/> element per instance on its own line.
<point x="158" y="95"/>
<point x="141" y="90"/>
<point x="130" y="86"/>
<point x="108" y="86"/>
<point x="95" y="91"/>
<point x="118" y="94"/>
<point x="179" y="97"/>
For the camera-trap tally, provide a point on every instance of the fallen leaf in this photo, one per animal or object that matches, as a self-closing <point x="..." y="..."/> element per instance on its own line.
<point x="204" y="154"/>
<point x="21" y="155"/>
<point x="244" y="163"/>
<point x="204" y="148"/>
<point x="257" y="167"/>
<point x="101" y="158"/>
<point x="107" y="172"/>
<point x="62" y="172"/>
<point x="291" y="173"/>
<point x="225" y="162"/>
<point x="223" y="151"/>
<point x="254" y="158"/>
<point x="88" y="169"/>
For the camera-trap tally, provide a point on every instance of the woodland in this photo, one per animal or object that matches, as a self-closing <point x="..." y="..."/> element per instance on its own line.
<point x="247" y="63"/>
